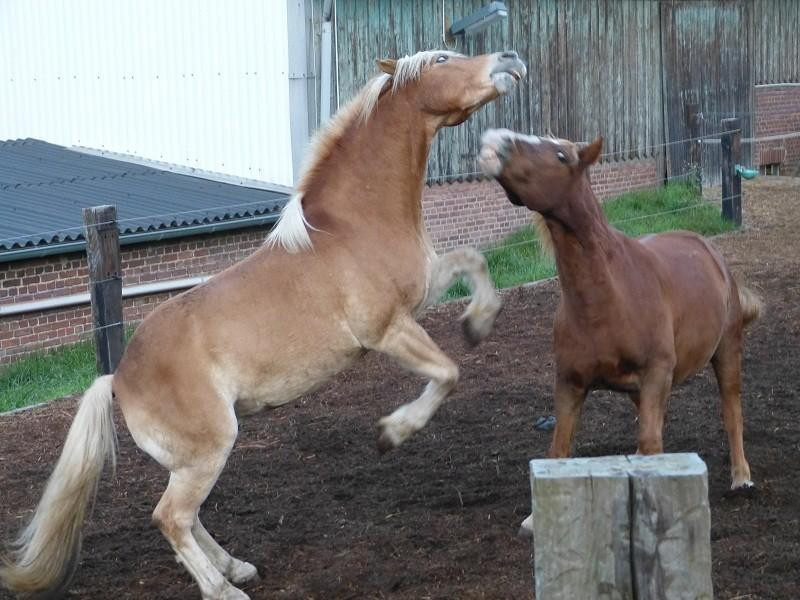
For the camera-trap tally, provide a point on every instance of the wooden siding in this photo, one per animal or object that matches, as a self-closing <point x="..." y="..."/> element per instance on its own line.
<point x="706" y="60"/>
<point x="776" y="41"/>
<point x="623" y="69"/>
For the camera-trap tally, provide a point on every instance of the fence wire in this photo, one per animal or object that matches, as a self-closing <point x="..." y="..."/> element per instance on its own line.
<point x="230" y="207"/>
<point x="175" y="215"/>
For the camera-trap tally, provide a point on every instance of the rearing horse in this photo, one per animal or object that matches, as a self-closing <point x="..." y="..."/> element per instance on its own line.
<point x="344" y="271"/>
<point x="636" y="315"/>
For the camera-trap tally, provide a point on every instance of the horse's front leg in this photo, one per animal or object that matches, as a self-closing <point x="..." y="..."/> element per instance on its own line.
<point x="569" y="400"/>
<point x="408" y="343"/>
<point x="482" y="310"/>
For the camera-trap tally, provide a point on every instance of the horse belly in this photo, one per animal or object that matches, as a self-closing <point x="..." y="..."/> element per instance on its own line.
<point x="285" y="383"/>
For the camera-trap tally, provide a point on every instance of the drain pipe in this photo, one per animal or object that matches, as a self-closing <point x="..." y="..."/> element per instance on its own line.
<point x="325" y="60"/>
<point x="145" y="289"/>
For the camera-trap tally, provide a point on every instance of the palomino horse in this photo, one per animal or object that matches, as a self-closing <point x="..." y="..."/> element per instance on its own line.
<point x="636" y="315"/>
<point x="344" y="271"/>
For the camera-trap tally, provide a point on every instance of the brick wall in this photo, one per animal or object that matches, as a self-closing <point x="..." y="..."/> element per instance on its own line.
<point x="778" y="113"/>
<point x="64" y="275"/>
<point x="477" y="213"/>
<point x="614" y="178"/>
<point x="474" y="213"/>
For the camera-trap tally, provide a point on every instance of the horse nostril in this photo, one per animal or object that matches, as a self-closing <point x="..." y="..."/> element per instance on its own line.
<point x="512" y="55"/>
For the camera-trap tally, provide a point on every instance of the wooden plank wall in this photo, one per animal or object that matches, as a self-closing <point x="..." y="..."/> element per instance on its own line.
<point x="776" y="41"/>
<point x="618" y="68"/>
<point x="706" y="59"/>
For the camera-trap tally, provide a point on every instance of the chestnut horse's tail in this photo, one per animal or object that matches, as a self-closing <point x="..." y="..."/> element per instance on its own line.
<point x="751" y="303"/>
<point x="45" y="555"/>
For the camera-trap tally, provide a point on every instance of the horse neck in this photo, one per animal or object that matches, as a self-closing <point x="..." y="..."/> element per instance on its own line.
<point x="584" y="244"/>
<point x="377" y="169"/>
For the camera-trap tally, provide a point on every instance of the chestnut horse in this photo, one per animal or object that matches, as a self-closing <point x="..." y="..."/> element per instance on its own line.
<point x="344" y="271"/>
<point x="636" y="315"/>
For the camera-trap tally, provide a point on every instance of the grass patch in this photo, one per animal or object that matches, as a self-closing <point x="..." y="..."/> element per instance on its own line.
<point x="517" y="259"/>
<point x="42" y="376"/>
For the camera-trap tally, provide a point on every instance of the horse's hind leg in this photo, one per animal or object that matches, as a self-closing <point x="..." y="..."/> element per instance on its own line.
<point x="176" y="515"/>
<point x="484" y="307"/>
<point x="234" y="569"/>
<point x="727" y="363"/>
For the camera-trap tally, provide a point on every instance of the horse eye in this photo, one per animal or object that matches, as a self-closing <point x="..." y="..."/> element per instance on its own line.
<point x="561" y="156"/>
<point x="442" y="59"/>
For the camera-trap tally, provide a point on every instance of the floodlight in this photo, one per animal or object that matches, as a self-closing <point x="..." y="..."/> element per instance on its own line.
<point x="480" y="19"/>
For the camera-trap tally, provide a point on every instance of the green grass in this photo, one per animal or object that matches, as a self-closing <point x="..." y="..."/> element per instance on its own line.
<point x="517" y="259"/>
<point x="42" y="376"/>
<point x="46" y="375"/>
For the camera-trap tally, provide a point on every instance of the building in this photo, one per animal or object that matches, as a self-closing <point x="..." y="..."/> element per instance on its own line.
<point x="227" y="94"/>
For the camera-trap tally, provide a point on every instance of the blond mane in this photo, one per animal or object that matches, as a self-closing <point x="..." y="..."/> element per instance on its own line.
<point x="543" y="233"/>
<point x="291" y="230"/>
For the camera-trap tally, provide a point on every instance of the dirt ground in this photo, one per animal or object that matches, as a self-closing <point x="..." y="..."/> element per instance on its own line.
<point x="309" y="501"/>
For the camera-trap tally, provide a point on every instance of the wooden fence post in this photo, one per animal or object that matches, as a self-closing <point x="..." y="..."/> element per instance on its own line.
<point x="731" y="144"/>
<point x="695" y="150"/>
<point x="105" y="285"/>
<point x="620" y="528"/>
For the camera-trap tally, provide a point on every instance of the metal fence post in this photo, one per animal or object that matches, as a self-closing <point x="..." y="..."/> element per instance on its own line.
<point x="731" y="180"/>
<point x="105" y="285"/>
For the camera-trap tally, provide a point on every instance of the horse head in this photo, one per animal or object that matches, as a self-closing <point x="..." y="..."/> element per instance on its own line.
<point x="539" y="173"/>
<point x="449" y="87"/>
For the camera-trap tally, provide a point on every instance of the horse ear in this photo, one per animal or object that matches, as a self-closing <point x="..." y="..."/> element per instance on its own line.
<point x="588" y="155"/>
<point x="387" y="65"/>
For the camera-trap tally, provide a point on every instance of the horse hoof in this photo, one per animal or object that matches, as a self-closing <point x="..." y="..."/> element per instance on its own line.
<point x="243" y="572"/>
<point x="385" y="442"/>
<point x="475" y="333"/>
<point x="233" y="593"/>
<point x="526" y="529"/>
<point x="744" y="489"/>
<point x="470" y="333"/>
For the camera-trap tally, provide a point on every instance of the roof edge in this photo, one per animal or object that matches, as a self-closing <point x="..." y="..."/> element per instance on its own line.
<point x="138" y="238"/>
<point x="184" y="170"/>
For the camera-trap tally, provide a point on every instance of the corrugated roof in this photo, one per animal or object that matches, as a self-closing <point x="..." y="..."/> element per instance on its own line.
<point x="44" y="187"/>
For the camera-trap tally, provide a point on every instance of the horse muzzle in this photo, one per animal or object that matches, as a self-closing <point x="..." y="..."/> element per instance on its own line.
<point x="507" y="71"/>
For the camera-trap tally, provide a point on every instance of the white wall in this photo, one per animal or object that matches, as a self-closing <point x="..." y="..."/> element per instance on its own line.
<point x="201" y="83"/>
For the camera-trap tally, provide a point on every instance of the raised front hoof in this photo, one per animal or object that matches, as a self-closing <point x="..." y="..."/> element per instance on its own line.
<point x="385" y="442"/>
<point x="243" y="572"/>
<point x="395" y="429"/>
<point x="471" y="334"/>
<point x="526" y="529"/>
<point x="475" y="331"/>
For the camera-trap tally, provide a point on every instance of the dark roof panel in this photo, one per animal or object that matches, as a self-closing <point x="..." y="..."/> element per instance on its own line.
<point x="44" y="187"/>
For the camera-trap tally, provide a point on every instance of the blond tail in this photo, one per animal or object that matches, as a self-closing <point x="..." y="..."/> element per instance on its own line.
<point x="45" y="555"/>
<point x="752" y="305"/>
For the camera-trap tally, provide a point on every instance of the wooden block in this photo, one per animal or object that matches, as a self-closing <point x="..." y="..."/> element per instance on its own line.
<point x="581" y="524"/>
<point x="621" y="527"/>
<point x="670" y="527"/>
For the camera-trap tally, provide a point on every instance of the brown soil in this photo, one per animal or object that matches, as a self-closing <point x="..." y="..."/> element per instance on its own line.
<point x="309" y="501"/>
